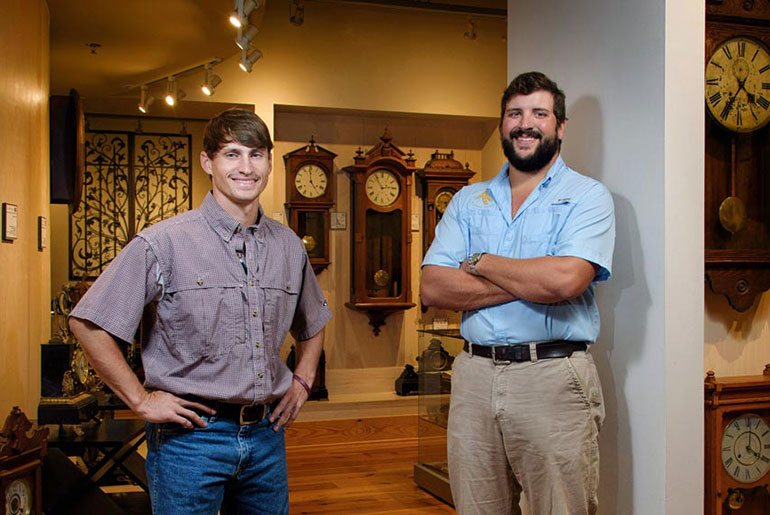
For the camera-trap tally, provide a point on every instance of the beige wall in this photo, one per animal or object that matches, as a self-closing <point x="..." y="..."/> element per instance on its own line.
<point x="25" y="279"/>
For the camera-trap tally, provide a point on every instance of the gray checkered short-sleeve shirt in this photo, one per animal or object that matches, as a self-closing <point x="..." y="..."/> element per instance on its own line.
<point x="214" y="325"/>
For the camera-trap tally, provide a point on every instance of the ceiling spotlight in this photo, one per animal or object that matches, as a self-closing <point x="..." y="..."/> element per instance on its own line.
<point x="244" y="38"/>
<point x="471" y="32"/>
<point x="212" y="80"/>
<point x="173" y="93"/>
<point x="247" y="60"/>
<point x="145" y="100"/>
<point x="240" y="15"/>
<point x="296" y="13"/>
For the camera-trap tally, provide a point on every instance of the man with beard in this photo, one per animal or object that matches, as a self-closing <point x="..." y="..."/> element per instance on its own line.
<point x="519" y="255"/>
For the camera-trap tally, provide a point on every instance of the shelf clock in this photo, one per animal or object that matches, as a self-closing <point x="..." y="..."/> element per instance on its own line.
<point x="737" y="424"/>
<point x="310" y="197"/>
<point x="381" y="182"/>
<point x="737" y="186"/>
<point x="20" y="465"/>
<point x="442" y="177"/>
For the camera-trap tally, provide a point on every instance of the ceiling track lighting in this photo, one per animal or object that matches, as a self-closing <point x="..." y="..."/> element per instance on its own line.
<point x="248" y="59"/>
<point x="145" y="99"/>
<point x="240" y="15"/>
<point x="244" y="38"/>
<point x="471" y="32"/>
<point x="173" y="93"/>
<point x="211" y="81"/>
<point x="296" y="13"/>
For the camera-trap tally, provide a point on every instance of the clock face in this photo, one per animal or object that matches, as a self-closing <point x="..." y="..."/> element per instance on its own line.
<point x="738" y="84"/>
<point x="442" y="200"/>
<point x="80" y="366"/>
<point x="746" y="448"/>
<point x="382" y="187"/>
<point x="18" y="498"/>
<point x="311" y="181"/>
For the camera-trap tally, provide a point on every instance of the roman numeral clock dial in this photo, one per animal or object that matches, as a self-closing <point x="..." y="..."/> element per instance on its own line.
<point x="738" y="84"/>
<point x="746" y="448"/>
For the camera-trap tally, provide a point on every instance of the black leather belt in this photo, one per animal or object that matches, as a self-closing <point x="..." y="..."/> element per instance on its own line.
<point x="244" y="414"/>
<point x="502" y="354"/>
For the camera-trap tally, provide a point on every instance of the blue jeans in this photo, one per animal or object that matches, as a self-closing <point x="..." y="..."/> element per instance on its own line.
<point x="227" y="467"/>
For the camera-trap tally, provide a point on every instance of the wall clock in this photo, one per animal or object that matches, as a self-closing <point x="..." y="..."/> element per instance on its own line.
<point x="440" y="179"/>
<point x="310" y="197"/>
<point x="737" y="411"/>
<point x="737" y="141"/>
<point x="381" y="181"/>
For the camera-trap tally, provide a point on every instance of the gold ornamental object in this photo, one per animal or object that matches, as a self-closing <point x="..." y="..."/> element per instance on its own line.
<point x="732" y="214"/>
<point x="309" y="242"/>
<point x="381" y="278"/>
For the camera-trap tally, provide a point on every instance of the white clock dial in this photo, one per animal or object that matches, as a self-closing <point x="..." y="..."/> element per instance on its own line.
<point x="746" y="448"/>
<point x="311" y="181"/>
<point x="18" y="498"/>
<point x="382" y="187"/>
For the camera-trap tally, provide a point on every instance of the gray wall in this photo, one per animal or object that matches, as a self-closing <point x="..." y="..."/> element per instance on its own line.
<point x="635" y="109"/>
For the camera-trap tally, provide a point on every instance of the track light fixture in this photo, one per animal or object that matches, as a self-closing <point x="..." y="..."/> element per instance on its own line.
<point x="211" y="81"/>
<point x="248" y="59"/>
<point x="240" y="15"/>
<point x="173" y="93"/>
<point x="145" y="99"/>
<point x="245" y="37"/>
<point x="296" y="13"/>
<point x="471" y="32"/>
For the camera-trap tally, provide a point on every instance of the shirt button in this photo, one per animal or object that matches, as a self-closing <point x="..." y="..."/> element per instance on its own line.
<point x="200" y="282"/>
<point x="259" y="375"/>
<point x="255" y="314"/>
<point x="288" y="287"/>
<point x="259" y="345"/>
<point x="251" y="283"/>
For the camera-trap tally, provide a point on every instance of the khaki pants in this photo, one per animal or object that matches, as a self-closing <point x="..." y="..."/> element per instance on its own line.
<point x="531" y="427"/>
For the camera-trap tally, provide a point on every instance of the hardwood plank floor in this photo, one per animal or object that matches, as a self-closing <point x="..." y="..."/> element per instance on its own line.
<point x="358" y="478"/>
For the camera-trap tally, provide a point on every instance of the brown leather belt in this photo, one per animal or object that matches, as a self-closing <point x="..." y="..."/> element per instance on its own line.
<point x="503" y="354"/>
<point x="244" y="414"/>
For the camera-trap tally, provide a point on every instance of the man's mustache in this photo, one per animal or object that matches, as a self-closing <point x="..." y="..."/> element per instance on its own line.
<point x="532" y="133"/>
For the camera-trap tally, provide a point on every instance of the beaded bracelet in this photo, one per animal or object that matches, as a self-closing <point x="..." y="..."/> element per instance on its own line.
<point x="303" y="383"/>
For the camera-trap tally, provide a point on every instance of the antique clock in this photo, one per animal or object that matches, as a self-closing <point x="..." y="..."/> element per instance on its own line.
<point x="20" y="464"/>
<point x="381" y="182"/>
<point x="737" y="463"/>
<point x="442" y="177"/>
<point x="310" y="197"/>
<point x="737" y="186"/>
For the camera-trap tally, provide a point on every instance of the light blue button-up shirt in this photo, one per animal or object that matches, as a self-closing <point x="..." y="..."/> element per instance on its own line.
<point x="567" y="214"/>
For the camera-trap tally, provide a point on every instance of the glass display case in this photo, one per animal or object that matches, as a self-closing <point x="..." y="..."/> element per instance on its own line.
<point x="438" y="348"/>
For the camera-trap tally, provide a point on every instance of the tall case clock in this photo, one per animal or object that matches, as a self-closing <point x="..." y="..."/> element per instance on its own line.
<point x="310" y="197"/>
<point x="442" y="177"/>
<point x="737" y="457"/>
<point x="381" y="182"/>
<point x="737" y="183"/>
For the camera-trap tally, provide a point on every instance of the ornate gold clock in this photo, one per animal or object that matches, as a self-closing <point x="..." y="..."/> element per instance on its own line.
<point x="381" y="195"/>
<point x="738" y="84"/>
<point x="310" y="197"/>
<point x="737" y="411"/>
<point x="737" y="141"/>
<point x="440" y="179"/>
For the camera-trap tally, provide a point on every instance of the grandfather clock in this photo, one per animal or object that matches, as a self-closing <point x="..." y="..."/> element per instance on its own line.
<point x="737" y="185"/>
<point x="442" y="177"/>
<point x="381" y="240"/>
<point x="310" y="196"/>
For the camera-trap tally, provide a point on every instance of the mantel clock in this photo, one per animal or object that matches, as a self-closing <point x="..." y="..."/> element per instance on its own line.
<point x="737" y="186"/>
<point x="21" y="458"/>
<point x="381" y="182"/>
<point x="442" y="177"/>
<point x="310" y="197"/>
<point x="737" y="424"/>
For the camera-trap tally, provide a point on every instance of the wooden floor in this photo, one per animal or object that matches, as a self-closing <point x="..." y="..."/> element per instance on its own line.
<point x="364" y="477"/>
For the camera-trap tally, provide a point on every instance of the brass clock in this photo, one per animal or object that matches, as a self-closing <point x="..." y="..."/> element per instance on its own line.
<point x="738" y="84"/>
<point x="310" y="197"/>
<point x="21" y="458"/>
<point x="440" y="179"/>
<point x="737" y="458"/>
<point x="381" y="182"/>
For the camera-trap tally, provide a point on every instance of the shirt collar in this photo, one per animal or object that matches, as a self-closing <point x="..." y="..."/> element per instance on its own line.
<point x="220" y="220"/>
<point x="500" y="187"/>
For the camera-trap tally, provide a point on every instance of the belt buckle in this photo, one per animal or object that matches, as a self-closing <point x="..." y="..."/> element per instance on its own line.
<point x="249" y="422"/>
<point x="493" y="349"/>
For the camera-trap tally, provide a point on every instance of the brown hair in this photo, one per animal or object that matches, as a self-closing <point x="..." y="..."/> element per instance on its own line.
<point x="238" y="125"/>
<point x="528" y="83"/>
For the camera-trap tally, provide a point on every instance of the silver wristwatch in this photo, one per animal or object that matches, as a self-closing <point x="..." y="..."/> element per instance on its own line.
<point x="472" y="262"/>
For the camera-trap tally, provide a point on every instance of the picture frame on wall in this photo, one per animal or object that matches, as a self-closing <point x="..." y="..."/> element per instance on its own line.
<point x="10" y="221"/>
<point x="42" y="232"/>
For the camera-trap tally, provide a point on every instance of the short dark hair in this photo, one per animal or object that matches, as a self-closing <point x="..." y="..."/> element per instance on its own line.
<point x="238" y="125"/>
<point x="528" y="83"/>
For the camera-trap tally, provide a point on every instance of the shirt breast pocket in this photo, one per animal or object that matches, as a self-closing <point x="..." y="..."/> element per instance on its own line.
<point x="540" y="229"/>
<point x="485" y="230"/>
<point x="281" y="298"/>
<point x="208" y="318"/>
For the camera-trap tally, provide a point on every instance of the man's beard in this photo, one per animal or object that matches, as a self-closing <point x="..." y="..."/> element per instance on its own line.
<point x="546" y="149"/>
